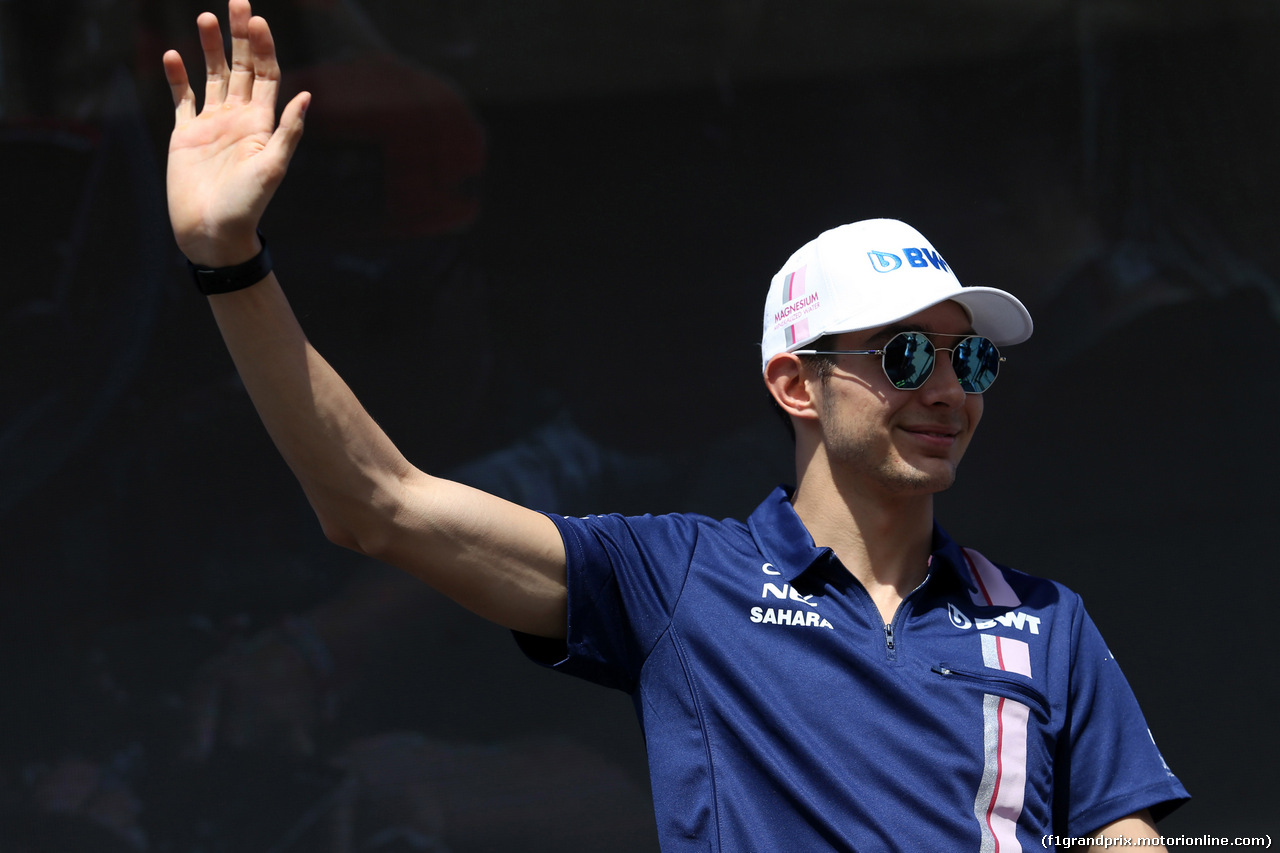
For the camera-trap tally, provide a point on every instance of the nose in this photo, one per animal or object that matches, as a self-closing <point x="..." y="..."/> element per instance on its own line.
<point x="943" y="386"/>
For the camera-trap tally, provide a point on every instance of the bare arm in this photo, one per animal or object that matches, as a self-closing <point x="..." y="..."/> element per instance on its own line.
<point x="500" y="560"/>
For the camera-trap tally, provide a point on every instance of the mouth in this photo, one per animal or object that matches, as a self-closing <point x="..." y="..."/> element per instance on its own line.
<point x="936" y="435"/>
<point x="949" y="430"/>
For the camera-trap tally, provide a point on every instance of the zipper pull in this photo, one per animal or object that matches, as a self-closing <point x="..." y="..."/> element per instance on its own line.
<point x="888" y="636"/>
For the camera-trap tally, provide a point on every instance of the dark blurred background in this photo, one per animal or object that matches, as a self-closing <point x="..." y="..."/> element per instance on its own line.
<point x="536" y="237"/>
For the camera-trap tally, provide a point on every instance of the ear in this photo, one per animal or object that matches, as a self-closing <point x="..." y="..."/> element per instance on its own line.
<point x="793" y="385"/>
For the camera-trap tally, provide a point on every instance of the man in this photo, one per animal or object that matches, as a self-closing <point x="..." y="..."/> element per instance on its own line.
<point x="834" y="673"/>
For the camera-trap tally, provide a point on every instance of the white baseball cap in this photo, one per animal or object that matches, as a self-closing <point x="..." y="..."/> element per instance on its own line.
<point x="873" y="273"/>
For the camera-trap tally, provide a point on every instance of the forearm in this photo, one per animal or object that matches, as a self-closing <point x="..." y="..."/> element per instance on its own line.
<point x="346" y="465"/>
<point x="499" y="560"/>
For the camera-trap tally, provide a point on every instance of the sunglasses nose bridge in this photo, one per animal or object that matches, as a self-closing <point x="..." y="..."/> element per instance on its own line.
<point x="950" y="359"/>
<point x="951" y="366"/>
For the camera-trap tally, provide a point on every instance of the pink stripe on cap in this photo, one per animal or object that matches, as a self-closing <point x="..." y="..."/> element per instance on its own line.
<point x="797" y="331"/>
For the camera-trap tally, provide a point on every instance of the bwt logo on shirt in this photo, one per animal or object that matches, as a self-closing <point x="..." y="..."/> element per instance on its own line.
<point x="1009" y="619"/>
<point x="888" y="261"/>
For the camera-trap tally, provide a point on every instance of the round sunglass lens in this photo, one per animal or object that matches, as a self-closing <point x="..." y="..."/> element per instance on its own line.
<point x="977" y="363"/>
<point x="908" y="360"/>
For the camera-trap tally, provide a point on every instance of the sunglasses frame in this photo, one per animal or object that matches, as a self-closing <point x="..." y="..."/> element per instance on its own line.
<point x="936" y="349"/>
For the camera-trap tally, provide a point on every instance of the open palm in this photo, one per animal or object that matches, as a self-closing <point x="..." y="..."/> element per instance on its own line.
<point x="227" y="159"/>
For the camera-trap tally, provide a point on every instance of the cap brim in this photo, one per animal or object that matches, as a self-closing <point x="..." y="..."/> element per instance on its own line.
<point x="995" y="314"/>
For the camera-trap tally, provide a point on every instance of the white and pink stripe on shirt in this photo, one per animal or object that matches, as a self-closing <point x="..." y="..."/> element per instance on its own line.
<point x="999" y="800"/>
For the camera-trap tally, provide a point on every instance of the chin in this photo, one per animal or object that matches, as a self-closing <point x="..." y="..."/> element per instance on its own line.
<point x="917" y="482"/>
<point x="931" y="479"/>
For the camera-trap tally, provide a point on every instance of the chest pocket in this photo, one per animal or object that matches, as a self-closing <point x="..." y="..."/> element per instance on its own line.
<point x="996" y="683"/>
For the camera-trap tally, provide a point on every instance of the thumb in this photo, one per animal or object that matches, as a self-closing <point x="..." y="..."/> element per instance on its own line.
<point x="288" y="133"/>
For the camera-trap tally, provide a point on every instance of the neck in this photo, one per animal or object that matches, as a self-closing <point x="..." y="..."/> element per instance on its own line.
<point x="882" y="540"/>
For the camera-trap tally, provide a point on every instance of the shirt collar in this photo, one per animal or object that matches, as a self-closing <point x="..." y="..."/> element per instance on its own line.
<point x="948" y="558"/>
<point x="782" y="537"/>
<point x="786" y="543"/>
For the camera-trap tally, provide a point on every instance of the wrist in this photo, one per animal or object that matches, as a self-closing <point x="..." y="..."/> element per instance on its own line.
<point x="210" y="279"/>
<point x="227" y="250"/>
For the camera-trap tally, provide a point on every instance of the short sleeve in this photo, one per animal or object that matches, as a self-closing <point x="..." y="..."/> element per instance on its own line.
<point x="624" y="577"/>
<point x="1109" y="766"/>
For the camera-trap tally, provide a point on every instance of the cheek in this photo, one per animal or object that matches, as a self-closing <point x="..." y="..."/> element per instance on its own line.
<point x="973" y="407"/>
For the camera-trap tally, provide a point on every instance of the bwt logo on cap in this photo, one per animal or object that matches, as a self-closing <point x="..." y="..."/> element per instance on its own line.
<point x="888" y="261"/>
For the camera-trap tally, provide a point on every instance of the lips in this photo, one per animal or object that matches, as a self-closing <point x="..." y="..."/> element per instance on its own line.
<point x="937" y="436"/>
<point x="934" y="430"/>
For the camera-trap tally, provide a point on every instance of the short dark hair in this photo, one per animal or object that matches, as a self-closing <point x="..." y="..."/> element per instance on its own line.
<point x="822" y="365"/>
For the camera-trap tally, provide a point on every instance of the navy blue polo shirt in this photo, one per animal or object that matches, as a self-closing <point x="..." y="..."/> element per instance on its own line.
<point x="781" y="713"/>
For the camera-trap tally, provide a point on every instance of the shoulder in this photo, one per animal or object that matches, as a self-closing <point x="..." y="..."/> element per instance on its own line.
<point x="998" y="584"/>
<point x="1000" y="595"/>
<point x="659" y="536"/>
<point x="686" y="524"/>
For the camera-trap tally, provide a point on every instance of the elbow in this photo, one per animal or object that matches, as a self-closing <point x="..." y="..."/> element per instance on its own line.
<point x="339" y="534"/>
<point x="371" y="540"/>
<point x="366" y="525"/>
<point x="362" y="532"/>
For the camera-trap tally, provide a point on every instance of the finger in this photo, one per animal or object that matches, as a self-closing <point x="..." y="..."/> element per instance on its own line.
<point x="266" y="69"/>
<point x="289" y="132"/>
<point x="215" y="60"/>
<point x="241" y="82"/>
<point x="184" y="100"/>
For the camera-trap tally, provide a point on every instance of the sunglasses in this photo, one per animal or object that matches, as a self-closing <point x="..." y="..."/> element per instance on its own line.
<point x="908" y="360"/>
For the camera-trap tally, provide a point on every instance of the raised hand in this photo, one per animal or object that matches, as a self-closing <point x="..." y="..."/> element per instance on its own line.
<point x="227" y="159"/>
